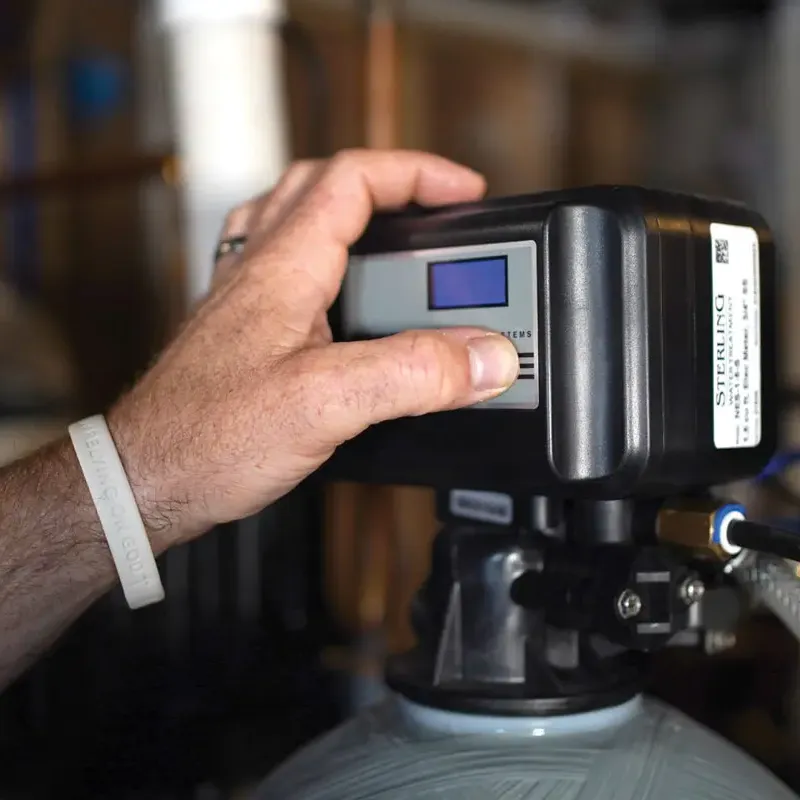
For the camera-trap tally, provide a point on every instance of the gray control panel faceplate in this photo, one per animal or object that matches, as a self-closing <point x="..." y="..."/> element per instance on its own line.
<point x="389" y="293"/>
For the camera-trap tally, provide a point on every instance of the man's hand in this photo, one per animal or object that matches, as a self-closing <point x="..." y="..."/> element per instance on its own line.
<point x="250" y="398"/>
<point x="253" y="395"/>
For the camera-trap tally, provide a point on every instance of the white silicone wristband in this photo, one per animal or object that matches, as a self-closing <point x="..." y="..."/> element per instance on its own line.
<point x="119" y="515"/>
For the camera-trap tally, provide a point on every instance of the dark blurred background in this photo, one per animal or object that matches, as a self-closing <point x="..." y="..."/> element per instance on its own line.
<point x="270" y="633"/>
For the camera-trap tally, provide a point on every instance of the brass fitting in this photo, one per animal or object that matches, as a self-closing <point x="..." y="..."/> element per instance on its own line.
<point x="696" y="524"/>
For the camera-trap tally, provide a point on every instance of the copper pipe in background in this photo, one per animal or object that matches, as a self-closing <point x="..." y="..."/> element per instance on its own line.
<point x="382" y="70"/>
<point x="376" y="535"/>
<point x="400" y="518"/>
<point x="360" y="519"/>
<point x="377" y="539"/>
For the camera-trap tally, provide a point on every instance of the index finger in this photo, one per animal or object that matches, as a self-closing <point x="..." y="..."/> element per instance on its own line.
<point x="351" y="187"/>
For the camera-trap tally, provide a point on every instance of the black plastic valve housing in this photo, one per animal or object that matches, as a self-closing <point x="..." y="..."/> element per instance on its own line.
<point x="627" y="327"/>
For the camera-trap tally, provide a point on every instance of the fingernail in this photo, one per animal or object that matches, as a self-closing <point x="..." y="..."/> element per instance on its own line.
<point x="494" y="363"/>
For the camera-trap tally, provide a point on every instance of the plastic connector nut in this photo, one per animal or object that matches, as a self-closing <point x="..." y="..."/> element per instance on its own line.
<point x="722" y="520"/>
<point x="700" y="525"/>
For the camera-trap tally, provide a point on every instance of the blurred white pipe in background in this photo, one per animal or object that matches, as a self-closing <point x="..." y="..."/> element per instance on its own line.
<point x="225" y="59"/>
<point x="224" y="65"/>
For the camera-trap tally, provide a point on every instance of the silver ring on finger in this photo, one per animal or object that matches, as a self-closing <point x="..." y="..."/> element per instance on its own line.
<point x="231" y="246"/>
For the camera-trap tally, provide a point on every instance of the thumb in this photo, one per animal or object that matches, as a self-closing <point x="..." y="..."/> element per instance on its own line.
<point x="411" y="373"/>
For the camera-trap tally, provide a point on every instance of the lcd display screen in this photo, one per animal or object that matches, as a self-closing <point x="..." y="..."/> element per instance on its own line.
<point x="468" y="283"/>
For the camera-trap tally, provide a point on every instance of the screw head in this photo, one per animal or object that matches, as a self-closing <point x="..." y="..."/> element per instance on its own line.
<point x="692" y="591"/>
<point x="629" y="604"/>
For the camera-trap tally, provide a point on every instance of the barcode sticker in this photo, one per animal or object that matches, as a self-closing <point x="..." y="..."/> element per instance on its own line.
<point x="722" y="249"/>
<point x="736" y="324"/>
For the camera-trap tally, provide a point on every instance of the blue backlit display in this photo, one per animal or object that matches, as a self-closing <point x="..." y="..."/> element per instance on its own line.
<point x="468" y="283"/>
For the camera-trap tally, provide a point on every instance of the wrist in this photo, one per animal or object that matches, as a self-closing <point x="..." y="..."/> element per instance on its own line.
<point x="150" y="488"/>
<point x="163" y="505"/>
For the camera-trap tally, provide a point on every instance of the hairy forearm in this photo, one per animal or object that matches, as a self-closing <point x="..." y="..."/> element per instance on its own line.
<point x="54" y="560"/>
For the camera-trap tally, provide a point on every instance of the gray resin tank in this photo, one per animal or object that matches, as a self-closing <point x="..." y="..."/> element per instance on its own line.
<point x="642" y="750"/>
<point x="478" y="647"/>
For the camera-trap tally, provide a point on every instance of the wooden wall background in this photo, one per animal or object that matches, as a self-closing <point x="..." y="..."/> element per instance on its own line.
<point x="528" y="118"/>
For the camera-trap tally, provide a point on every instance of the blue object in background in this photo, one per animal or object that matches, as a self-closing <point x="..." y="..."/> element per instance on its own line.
<point x="97" y="87"/>
<point x="779" y="464"/>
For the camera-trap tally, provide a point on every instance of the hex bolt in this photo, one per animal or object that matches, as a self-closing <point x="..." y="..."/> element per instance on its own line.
<point x="692" y="591"/>
<point x="629" y="604"/>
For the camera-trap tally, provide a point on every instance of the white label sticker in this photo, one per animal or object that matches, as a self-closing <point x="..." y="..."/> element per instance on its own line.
<point x="736" y="324"/>
<point x="491" y="507"/>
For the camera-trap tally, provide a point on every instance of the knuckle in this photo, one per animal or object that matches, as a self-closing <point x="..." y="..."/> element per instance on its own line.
<point x="344" y="162"/>
<point x="345" y="158"/>
<point x="292" y="174"/>
<point x="236" y="218"/>
<point x="430" y="368"/>
<point x="231" y="219"/>
<point x="334" y="178"/>
<point x="300" y="165"/>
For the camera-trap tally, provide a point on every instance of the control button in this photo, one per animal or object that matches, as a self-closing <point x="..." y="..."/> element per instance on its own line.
<point x="527" y="367"/>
